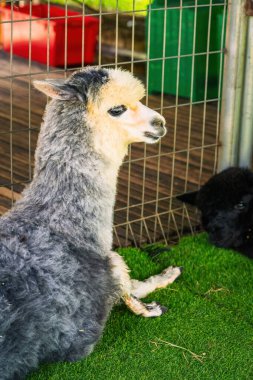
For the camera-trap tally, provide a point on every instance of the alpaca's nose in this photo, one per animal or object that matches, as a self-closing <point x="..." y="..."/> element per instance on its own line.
<point x="159" y="126"/>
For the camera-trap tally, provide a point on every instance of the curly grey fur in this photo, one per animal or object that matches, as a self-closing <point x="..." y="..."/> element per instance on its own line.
<point x="56" y="286"/>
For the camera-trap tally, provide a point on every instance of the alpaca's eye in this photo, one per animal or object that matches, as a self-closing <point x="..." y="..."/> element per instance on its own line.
<point x="240" y="206"/>
<point x="117" y="111"/>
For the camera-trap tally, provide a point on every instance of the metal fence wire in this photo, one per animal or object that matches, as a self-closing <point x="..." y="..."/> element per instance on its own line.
<point x="175" y="47"/>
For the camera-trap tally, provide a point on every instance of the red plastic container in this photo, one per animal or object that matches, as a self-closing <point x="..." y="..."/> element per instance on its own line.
<point x="48" y="36"/>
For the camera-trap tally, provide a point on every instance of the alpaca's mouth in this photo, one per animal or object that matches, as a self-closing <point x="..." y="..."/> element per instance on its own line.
<point x="152" y="136"/>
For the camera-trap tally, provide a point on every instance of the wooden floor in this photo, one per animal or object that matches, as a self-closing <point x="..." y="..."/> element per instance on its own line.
<point x="146" y="209"/>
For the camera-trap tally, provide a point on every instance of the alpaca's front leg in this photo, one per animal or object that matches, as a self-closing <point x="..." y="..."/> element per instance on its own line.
<point x="153" y="309"/>
<point x="132" y="290"/>
<point x="141" y="289"/>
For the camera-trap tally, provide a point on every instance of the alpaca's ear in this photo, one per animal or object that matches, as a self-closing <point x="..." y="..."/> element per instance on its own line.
<point x="190" y="198"/>
<point x="58" y="89"/>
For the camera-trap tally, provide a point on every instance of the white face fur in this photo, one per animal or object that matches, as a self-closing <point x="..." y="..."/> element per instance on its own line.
<point x="139" y="122"/>
<point x="119" y="118"/>
<point x="115" y="114"/>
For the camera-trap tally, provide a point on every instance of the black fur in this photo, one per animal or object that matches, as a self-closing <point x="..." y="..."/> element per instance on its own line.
<point x="226" y="205"/>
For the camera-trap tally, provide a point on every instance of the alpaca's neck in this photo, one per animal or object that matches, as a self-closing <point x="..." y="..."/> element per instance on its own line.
<point x="73" y="187"/>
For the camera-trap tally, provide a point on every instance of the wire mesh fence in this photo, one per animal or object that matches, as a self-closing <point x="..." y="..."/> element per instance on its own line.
<point x="175" y="47"/>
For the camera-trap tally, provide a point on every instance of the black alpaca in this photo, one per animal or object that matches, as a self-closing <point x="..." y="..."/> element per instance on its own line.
<point x="226" y="205"/>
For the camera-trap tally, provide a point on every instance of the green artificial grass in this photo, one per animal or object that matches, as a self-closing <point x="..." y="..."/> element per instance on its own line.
<point x="207" y="333"/>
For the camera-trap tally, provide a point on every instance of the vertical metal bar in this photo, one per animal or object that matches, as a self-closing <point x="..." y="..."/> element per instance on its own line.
<point x="128" y="194"/>
<point x="191" y="95"/>
<point x="246" y="137"/>
<point x="133" y="36"/>
<point x="205" y="91"/>
<point x="100" y="33"/>
<point x="162" y="101"/>
<point x="164" y="51"/>
<point x="83" y="33"/>
<point x="48" y="35"/>
<point x="161" y="227"/>
<point x="149" y="10"/>
<point x="129" y="148"/>
<point x="66" y="39"/>
<point x="232" y="83"/>
<point x="29" y="94"/>
<point x="175" y="225"/>
<point x="117" y="33"/>
<point x="117" y="236"/>
<point x="147" y="231"/>
<point x="190" y="110"/>
<point x="132" y="233"/>
<point x="11" y="104"/>
<point x="176" y="115"/>
<point x="188" y="218"/>
<point x="220" y="87"/>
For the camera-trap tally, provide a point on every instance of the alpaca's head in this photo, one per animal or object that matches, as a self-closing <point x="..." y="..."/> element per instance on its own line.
<point x="112" y="107"/>
<point x="226" y="205"/>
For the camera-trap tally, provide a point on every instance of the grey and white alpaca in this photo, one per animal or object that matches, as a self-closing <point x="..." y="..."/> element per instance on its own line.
<point x="58" y="276"/>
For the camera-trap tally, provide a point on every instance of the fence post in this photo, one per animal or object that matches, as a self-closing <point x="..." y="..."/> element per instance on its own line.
<point x="233" y="80"/>
<point x="246" y="137"/>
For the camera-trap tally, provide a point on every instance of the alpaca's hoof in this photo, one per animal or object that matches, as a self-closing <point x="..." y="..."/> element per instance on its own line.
<point x="170" y="274"/>
<point x="154" y="309"/>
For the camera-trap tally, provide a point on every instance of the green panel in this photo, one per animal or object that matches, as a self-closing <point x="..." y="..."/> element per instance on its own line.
<point x="172" y="50"/>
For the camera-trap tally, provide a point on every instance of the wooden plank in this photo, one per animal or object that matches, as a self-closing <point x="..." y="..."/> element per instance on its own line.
<point x="9" y="194"/>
